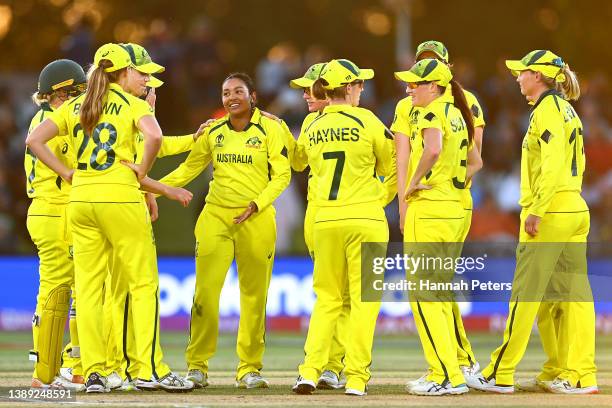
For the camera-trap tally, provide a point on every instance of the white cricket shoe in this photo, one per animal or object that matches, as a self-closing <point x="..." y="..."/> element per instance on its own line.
<point x="198" y="378"/>
<point x="330" y="381"/>
<point x="432" y="388"/>
<point x="169" y="383"/>
<point x="114" y="380"/>
<point x="58" y="382"/>
<point x="304" y="386"/>
<point x="96" y="383"/>
<point x="418" y="382"/>
<point x="478" y="382"/>
<point x="533" y="385"/>
<point x="561" y="386"/>
<point x="472" y="370"/>
<point x="356" y="393"/>
<point x="252" y="380"/>
<point x="66" y="372"/>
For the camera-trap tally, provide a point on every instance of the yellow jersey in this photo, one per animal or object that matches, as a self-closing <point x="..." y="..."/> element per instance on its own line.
<point x="99" y="175"/>
<point x="552" y="157"/>
<point x="41" y="181"/>
<point x="170" y="146"/>
<point x="346" y="147"/>
<point x="248" y="165"/>
<point x="440" y="114"/>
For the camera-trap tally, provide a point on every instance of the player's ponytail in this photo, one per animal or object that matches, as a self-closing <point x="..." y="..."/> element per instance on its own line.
<point x="334" y="93"/>
<point x="570" y="88"/>
<point x="317" y="90"/>
<point x="462" y="104"/>
<point x="98" y="83"/>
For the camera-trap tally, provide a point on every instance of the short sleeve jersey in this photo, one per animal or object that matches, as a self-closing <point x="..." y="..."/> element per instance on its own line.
<point x="41" y="181"/>
<point x="346" y="147"/>
<point x="552" y="157"/>
<point x="113" y="140"/>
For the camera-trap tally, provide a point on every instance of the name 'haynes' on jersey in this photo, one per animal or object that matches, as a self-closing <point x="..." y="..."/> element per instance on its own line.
<point x="344" y="134"/>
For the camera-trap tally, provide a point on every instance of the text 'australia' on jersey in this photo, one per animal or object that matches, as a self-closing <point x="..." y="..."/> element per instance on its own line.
<point x="99" y="155"/>
<point x="248" y="165"/>
<point x="553" y="157"/>
<point x="41" y="181"/>
<point x="447" y="175"/>
<point x="346" y="147"/>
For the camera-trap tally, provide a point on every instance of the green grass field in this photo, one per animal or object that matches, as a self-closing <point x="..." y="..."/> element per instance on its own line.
<point x="396" y="359"/>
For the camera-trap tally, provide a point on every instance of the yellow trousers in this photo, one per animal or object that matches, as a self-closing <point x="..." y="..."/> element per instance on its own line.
<point x="436" y="222"/>
<point x="337" y="264"/>
<point x="337" y="350"/>
<point x="123" y="231"/>
<point x="47" y="225"/>
<point x="218" y="242"/>
<point x="575" y="341"/>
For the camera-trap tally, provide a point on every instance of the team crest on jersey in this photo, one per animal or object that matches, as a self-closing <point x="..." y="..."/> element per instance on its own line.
<point x="219" y="140"/>
<point x="253" y="143"/>
<point x="65" y="148"/>
<point x="70" y="252"/>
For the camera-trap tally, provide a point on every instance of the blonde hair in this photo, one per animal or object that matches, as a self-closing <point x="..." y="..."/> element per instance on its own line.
<point x="38" y="99"/>
<point x="570" y="88"/>
<point x="98" y="82"/>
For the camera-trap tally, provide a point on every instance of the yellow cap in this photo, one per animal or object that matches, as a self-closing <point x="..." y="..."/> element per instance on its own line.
<point x="141" y="60"/>
<point x="339" y="72"/>
<point x="543" y="61"/>
<point x="311" y="75"/>
<point x="427" y="70"/>
<point x="114" y="53"/>
<point x="154" y="82"/>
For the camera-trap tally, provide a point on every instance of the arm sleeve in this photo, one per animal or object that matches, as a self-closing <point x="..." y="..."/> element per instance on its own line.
<point x="289" y="142"/>
<point x="300" y="157"/>
<point x="198" y="159"/>
<point x="280" y="172"/>
<point x="172" y="145"/>
<point x="140" y="109"/>
<point x="549" y="123"/>
<point x="59" y="118"/>
<point x="384" y="149"/>
<point x="428" y="120"/>
<point x="401" y="120"/>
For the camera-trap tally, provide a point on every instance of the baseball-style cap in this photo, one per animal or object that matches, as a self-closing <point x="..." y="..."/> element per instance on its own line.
<point x="116" y="54"/>
<point x="427" y="70"/>
<point x="60" y="73"/>
<point x="154" y="82"/>
<point x="141" y="60"/>
<point x="339" y="72"/>
<point x="543" y="61"/>
<point x="433" y="46"/>
<point x="311" y="75"/>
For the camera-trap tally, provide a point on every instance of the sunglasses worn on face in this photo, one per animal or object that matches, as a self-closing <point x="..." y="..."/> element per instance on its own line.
<point x="414" y="85"/>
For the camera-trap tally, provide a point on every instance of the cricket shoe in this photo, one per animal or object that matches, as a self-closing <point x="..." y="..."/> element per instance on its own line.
<point x="114" y="380"/>
<point x="58" y="382"/>
<point x="252" y="380"/>
<point x="198" y="378"/>
<point x="533" y="385"/>
<point x="330" y="381"/>
<point x="169" y="383"/>
<point x="128" y="386"/>
<point x="356" y="393"/>
<point x="472" y="370"/>
<point x="66" y="372"/>
<point x="478" y="382"/>
<point x="303" y="386"/>
<point x="418" y="382"/>
<point x="562" y="386"/>
<point x="432" y="388"/>
<point x="96" y="383"/>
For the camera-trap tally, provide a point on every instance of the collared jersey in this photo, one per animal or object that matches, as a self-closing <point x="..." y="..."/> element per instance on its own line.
<point x="248" y="165"/>
<point x="99" y="174"/>
<point x="552" y="157"/>
<point x="41" y="181"/>
<point x="346" y="147"/>
<point x="440" y="114"/>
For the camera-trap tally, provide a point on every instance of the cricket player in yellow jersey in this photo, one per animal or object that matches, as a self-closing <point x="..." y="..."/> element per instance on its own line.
<point x="250" y="170"/>
<point x="406" y="116"/>
<point x="103" y="123"/>
<point x="345" y="146"/>
<point x="435" y="213"/>
<point x="554" y="226"/>
<point x="47" y="224"/>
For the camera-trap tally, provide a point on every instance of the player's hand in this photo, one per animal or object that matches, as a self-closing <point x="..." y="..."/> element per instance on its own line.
<point x="201" y="129"/>
<point x="179" y="194"/>
<point x="137" y="168"/>
<point x="414" y="188"/>
<point x="271" y="116"/>
<point x="532" y="224"/>
<point x="152" y="206"/>
<point x="250" y="210"/>
<point x="151" y="98"/>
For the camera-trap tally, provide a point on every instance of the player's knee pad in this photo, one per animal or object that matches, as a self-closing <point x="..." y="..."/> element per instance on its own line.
<point x="51" y="324"/>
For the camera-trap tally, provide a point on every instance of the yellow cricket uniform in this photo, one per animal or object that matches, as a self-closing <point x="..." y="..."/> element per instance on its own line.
<point x="405" y="119"/>
<point x="118" y="321"/>
<point x="104" y="191"/>
<point x="248" y="165"/>
<point x="48" y="226"/>
<point x="552" y="167"/>
<point x="345" y="147"/>
<point x="435" y="216"/>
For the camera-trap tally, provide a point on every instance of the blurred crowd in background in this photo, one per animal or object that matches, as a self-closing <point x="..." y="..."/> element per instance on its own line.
<point x="195" y="70"/>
